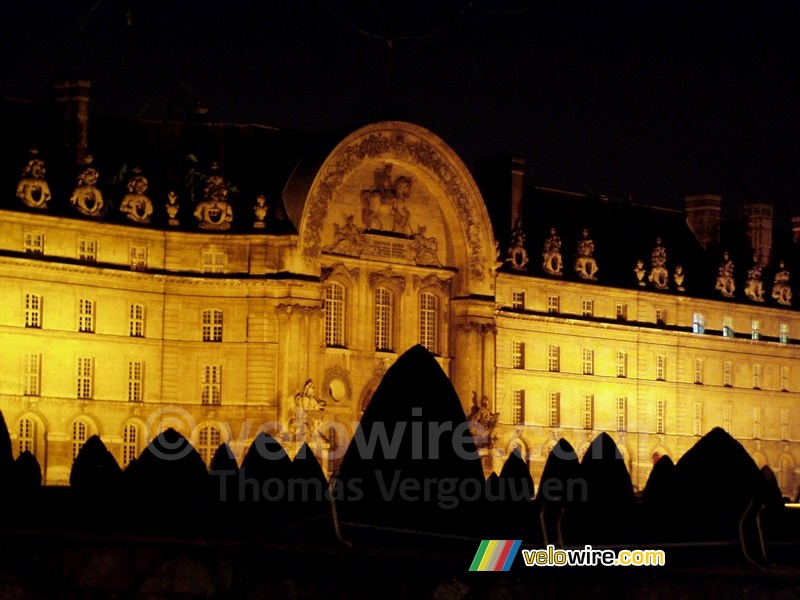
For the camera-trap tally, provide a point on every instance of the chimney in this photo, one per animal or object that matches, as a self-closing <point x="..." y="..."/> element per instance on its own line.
<point x="517" y="188"/>
<point x="796" y="230"/>
<point x="72" y="99"/>
<point x="702" y="217"/>
<point x="759" y="229"/>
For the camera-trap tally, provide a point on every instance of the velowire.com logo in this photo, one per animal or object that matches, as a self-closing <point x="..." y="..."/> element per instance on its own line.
<point x="495" y="555"/>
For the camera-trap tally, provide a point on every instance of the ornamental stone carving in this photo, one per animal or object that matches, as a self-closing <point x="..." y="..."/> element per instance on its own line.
<point x="32" y="188"/>
<point x="781" y="290"/>
<point x="754" y="287"/>
<point x="135" y="205"/>
<point x="585" y="264"/>
<point x="724" y="283"/>
<point x="86" y="198"/>
<point x="260" y="210"/>
<point x="384" y="207"/>
<point x="172" y="208"/>
<point x="640" y="272"/>
<point x="517" y="254"/>
<point x="387" y="277"/>
<point x="308" y="411"/>
<point x="679" y="277"/>
<point x="425" y="248"/>
<point x="431" y="281"/>
<point x="551" y="254"/>
<point x="659" y="276"/>
<point x="482" y="422"/>
<point x="339" y="270"/>
<point x="213" y="212"/>
<point x="348" y="239"/>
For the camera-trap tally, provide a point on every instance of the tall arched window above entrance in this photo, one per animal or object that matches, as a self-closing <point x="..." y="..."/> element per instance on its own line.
<point x="429" y="321"/>
<point x="335" y="297"/>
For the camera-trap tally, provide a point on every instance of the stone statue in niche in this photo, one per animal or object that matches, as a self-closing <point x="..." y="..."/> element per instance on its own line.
<point x="172" y="209"/>
<point x="724" y="282"/>
<point x="347" y="239"/>
<point x="551" y="253"/>
<point x="781" y="290"/>
<point x="517" y="255"/>
<point x="86" y="198"/>
<point x="640" y="272"/>
<point x="585" y="264"/>
<point x="678" y="277"/>
<point x="260" y="210"/>
<point x="482" y="422"/>
<point x="754" y="288"/>
<point x="425" y="248"/>
<point x="214" y="211"/>
<point x="135" y="204"/>
<point x="659" y="276"/>
<point x="307" y="412"/>
<point x="33" y="189"/>
<point x="385" y="206"/>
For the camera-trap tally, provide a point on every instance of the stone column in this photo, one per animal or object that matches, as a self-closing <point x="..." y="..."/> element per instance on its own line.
<point x="467" y="352"/>
<point x="489" y="334"/>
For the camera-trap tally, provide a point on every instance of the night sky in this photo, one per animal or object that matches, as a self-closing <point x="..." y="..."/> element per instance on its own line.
<point x="652" y="100"/>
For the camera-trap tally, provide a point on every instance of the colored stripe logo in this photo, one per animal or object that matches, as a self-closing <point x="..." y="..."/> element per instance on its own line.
<point x="495" y="555"/>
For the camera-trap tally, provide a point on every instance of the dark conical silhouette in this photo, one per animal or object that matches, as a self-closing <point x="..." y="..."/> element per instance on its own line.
<point x="95" y="470"/>
<point x="266" y="459"/>
<point x="660" y="487"/>
<point x="6" y="455"/>
<point x="223" y="459"/>
<point x="27" y="473"/>
<point x="561" y="470"/>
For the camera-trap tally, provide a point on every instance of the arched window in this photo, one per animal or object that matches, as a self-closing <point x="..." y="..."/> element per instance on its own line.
<point x="212" y="325"/>
<point x="334" y="314"/>
<point x="384" y="312"/>
<point x="130" y="443"/>
<point x="27" y="436"/>
<point x="208" y="440"/>
<point x="80" y="433"/>
<point x="429" y="322"/>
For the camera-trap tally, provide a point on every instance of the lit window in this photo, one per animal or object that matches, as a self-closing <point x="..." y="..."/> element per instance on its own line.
<point x="622" y="364"/>
<point x="384" y="301"/>
<point x="33" y="373"/>
<point x="138" y="258"/>
<point x="588" y="411"/>
<point x="80" y="433"/>
<point x="660" y="416"/>
<point x="622" y="413"/>
<point x="33" y="310"/>
<point x="727" y="417"/>
<point x="783" y="333"/>
<point x="429" y="322"/>
<point x="698" y="323"/>
<point x="553" y="304"/>
<point x="755" y="329"/>
<point x="661" y="316"/>
<point x="518" y="300"/>
<point x="213" y="262"/>
<point x="334" y="315"/>
<point x="517" y="354"/>
<point x="26" y="441"/>
<point x="212" y="325"/>
<point x="33" y="243"/>
<point x="697" y="422"/>
<point x="784" y="379"/>
<point x="727" y="327"/>
<point x="757" y="413"/>
<point x="553" y="409"/>
<point x="553" y="359"/>
<point x="756" y="377"/>
<point x="86" y="313"/>
<point x="698" y="371"/>
<point x="211" y="385"/>
<point x="587" y="356"/>
<point x="727" y="374"/>
<point x="130" y="443"/>
<point x="85" y="377"/>
<point x="621" y="312"/>
<point x="135" y="380"/>
<point x="587" y="308"/>
<point x="208" y="440"/>
<point x="661" y="367"/>
<point x="785" y="424"/>
<point x="136" y="323"/>
<point x="518" y="407"/>
<point x="87" y="251"/>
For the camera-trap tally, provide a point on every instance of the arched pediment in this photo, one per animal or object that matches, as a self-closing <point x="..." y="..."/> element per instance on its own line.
<point x="432" y="196"/>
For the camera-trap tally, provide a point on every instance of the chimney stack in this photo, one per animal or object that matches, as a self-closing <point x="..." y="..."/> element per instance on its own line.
<point x="72" y="99"/>
<point x="759" y="230"/>
<point x="703" y="217"/>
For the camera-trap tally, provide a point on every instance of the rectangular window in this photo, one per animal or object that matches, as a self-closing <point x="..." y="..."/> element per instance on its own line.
<point x="622" y="413"/>
<point x="32" y="374"/>
<point x="727" y="417"/>
<point x="783" y="332"/>
<point x="698" y="371"/>
<point x="756" y="377"/>
<point x="755" y="329"/>
<point x="33" y="243"/>
<point x="697" y="422"/>
<point x="213" y="262"/>
<point x="518" y="300"/>
<point x="784" y="379"/>
<point x="553" y="304"/>
<point x="86" y="314"/>
<point x="622" y="364"/>
<point x="727" y="374"/>
<point x="587" y="308"/>
<point x="87" y="251"/>
<point x="136" y="322"/>
<point x="27" y="436"/>
<point x="517" y="354"/>
<point x="429" y="322"/>
<point x="211" y="385"/>
<point x="661" y="316"/>
<point x="518" y="407"/>
<point x="85" y="378"/>
<point x="587" y="361"/>
<point x="757" y="413"/>
<point x="660" y="416"/>
<point x="785" y="424"/>
<point x="661" y="367"/>
<point x="138" y="256"/>
<point x="384" y="309"/>
<point x="33" y="311"/>
<point x="588" y="411"/>
<point x="80" y="432"/>
<point x="553" y="409"/>
<point x="135" y="380"/>
<point x="212" y="325"/>
<point x="130" y="443"/>
<point x="727" y="327"/>
<point x="698" y="323"/>
<point x="621" y="312"/>
<point x="334" y="314"/>
<point x="553" y="358"/>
